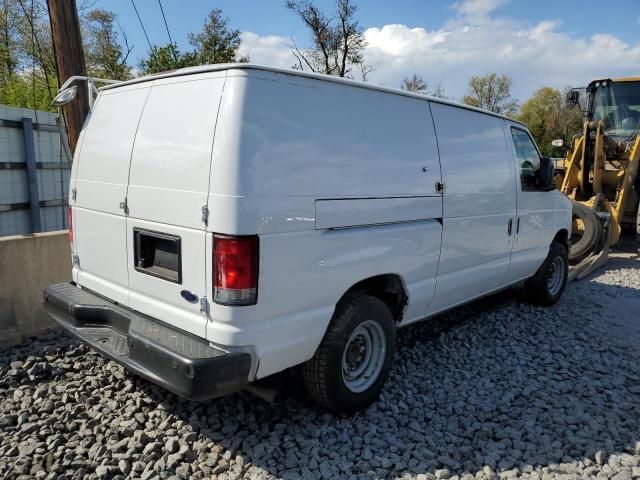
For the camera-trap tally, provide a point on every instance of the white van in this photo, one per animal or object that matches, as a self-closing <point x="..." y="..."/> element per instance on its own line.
<point x="232" y="221"/>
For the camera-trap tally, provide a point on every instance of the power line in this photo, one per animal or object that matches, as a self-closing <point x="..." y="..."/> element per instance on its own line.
<point x="165" y="21"/>
<point x="142" y="25"/>
<point x="175" y="54"/>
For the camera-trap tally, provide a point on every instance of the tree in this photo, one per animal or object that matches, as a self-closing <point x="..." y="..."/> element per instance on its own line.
<point x="338" y="40"/>
<point x="105" y="54"/>
<point x="8" y="42"/>
<point x="216" y="43"/>
<point x="491" y="92"/>
<point x="27" y="66"/>
<point x="547" y="119"/>
<point x="167" y="57"/>
<point x="415" y="83"/>
<point x="439" y="92"/>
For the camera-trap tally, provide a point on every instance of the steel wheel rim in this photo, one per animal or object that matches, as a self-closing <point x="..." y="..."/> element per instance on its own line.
<point x="556" y="276"/>
<point x="363" y="356"/>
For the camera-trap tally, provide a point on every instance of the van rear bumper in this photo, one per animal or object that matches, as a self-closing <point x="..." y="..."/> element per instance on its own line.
<point x="183" y="364"/>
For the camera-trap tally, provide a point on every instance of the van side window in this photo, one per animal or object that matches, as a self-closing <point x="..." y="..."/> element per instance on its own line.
<point x="528" y="158"/>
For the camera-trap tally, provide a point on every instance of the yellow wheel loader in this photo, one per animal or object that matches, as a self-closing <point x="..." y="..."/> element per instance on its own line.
<point x="600" y="174"/>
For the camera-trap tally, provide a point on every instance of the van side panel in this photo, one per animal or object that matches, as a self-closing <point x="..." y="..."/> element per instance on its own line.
<point x="300" y="138"/>
<point x="99" y="222"/>
<point x="304" y="274"/>
<point x="479" y="203"/>
<point x="339" y="182"/>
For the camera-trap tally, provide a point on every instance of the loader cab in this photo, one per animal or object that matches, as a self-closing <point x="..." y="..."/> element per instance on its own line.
<point x="617" y="104"/>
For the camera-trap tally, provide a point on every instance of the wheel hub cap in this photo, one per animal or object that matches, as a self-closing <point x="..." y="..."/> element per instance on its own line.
<point x="556" y="275"/>
<point x="363" y="356"/>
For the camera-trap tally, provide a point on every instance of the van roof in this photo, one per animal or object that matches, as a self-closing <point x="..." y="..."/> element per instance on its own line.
<point x="299" y="73"/>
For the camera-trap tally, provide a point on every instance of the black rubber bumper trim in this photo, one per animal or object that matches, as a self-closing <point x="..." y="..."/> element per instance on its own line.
<point x="182" y="363"/>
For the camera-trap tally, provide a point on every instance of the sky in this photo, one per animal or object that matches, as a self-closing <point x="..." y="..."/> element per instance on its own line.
<point x="538" y="43"/>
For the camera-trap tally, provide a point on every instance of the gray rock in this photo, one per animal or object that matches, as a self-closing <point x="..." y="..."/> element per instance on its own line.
<point x="104" y="471"/>
<point x="172" y="445"/>
<point x="124" y="466"/>
<point x="475" y="390"/>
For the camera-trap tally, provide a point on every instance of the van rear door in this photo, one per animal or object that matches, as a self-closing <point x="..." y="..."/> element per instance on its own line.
<point x="102" y="170"/>
<point x="168" y="189"/>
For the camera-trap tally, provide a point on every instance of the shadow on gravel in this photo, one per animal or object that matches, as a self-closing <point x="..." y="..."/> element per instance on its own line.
<point x="498" y="385"/>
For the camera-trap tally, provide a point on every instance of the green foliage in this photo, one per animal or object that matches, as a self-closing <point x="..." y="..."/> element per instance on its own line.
<point x="8" y="44"/>
<point x="547" y="119"/>
<point x="27" y="59"/>
<point x="19" y="91"/>
<point x="27" y="66"/>
<point x="165" y="58"/>
<point x="492" y="92"/>
<point x="106" y="57"/>
<point x="216" y="43"/>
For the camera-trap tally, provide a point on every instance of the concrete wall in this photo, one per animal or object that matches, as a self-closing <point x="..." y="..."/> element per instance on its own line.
<point x="27" y="265"/>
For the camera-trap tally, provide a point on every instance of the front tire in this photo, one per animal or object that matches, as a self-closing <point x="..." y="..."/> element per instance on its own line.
<point x="349" y="369"/>
<point x="546" y="286"/>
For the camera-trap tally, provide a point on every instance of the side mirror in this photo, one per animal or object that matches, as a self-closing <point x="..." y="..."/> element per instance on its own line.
<point x="545" y="174"/>
<point x="65" y="96"/>
<point x="558" y="142"/>
<point x="573" y="98"/>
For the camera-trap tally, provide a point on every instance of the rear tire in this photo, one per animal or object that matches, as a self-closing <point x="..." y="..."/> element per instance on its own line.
<point x="349" y="369"/>
<point x="546" y="286"/>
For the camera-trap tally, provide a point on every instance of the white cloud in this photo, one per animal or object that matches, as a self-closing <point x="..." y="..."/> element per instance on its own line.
<point x="475" y="41"/>
<point x="269" y="50"/>
<point x="477" y="8"/>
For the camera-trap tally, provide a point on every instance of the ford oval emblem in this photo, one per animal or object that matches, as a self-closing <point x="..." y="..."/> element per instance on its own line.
<point x="189" y="296"/>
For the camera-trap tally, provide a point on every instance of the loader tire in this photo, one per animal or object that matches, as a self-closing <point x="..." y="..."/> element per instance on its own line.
<point x="591" y="236"/>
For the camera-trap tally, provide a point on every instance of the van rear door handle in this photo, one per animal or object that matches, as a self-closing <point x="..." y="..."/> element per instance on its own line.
<point x="510" y="226"/>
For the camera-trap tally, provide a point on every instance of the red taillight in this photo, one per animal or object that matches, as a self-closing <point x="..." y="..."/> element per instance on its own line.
<point x="70" y="217"/>
<point x="235" y="270"/>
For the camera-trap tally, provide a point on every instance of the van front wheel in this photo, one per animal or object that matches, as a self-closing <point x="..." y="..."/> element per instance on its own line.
<point x="353" y="360"/>
<point x="546" y="286"/>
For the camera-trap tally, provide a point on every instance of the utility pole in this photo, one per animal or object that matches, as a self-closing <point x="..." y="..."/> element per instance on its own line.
<point x="69" y="55"/>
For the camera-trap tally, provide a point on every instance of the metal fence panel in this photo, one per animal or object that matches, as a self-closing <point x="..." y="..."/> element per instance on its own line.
<point x="50" y="184"/>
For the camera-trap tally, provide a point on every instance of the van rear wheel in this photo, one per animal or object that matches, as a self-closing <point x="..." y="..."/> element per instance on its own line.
<point x="353" y="360"/>
<point x="546" y="286"/>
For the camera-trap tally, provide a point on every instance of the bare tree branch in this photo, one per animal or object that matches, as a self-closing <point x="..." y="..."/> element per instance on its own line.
<point x="338" y="40"/>
<point x="300" y="56"/>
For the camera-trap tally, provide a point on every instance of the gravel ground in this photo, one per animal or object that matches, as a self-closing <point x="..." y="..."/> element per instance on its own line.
<point x="499" y="389"/>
